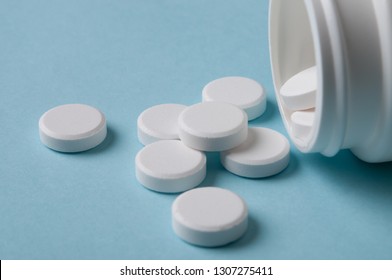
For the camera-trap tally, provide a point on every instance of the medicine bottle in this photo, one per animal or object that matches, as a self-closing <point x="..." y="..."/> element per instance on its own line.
<point x="350" y="44"/>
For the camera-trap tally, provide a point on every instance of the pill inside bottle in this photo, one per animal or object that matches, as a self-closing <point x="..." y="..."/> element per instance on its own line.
<point x="299" y="92"/>
<point x="298" y="100"/>
<point x="302" y="122"/>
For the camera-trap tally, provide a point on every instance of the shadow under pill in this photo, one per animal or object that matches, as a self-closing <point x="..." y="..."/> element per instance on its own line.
<point x="290" y="171"/>
<point x="110" y="139"/>
<point x="268" y="115"/>
<point x="251" y="235"/>
<point x="214" y="169"/>
<point x="348" y="172"/>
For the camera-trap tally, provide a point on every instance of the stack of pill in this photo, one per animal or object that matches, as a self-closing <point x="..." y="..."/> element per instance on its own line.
<point x="299" y="97"/>
<point x="173" y="159"/>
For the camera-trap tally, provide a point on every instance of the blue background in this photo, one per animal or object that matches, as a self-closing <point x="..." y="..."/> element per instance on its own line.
<point x="123" y="57"/>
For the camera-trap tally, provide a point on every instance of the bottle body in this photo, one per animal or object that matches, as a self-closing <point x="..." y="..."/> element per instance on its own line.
<point x="350" y="44"/>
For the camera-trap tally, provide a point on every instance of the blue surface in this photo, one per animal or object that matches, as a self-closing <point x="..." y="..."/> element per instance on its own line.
<point x="123" y="57"/>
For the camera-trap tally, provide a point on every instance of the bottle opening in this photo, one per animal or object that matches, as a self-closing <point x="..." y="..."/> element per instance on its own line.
<point x="294" y="70"/>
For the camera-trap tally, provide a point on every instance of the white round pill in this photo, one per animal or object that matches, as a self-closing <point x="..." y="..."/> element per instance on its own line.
<point x="159" y="122"/>
<point x="169" y="166"/>
<point x="72" y="128"/>
<point x="209" y="216"/>
<point x="302" y="122"/>
<point x="265" y="153"/>
<point x="243" y="92"/>
<point x="299" y="92"/>
<point x="213" y="126"/>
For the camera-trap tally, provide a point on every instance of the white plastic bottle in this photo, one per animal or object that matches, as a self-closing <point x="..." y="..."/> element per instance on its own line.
<point x="350" y="43"/>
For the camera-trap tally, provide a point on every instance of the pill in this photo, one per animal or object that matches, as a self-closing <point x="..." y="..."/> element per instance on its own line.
<point x="299" y="92"/>
<point x="169" y="166"/>
<point x="209" y="216"/>
<point x="302" y="122"/>
<point x="72" y="128"/>
<point x="159" y="122"/>
<point x="243" y="92"/>
<point x="213" y="126"/>
<point x="264" y="153"/>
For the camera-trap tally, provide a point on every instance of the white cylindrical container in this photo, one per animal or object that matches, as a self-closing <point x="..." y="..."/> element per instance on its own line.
<point x="350" y="44"/>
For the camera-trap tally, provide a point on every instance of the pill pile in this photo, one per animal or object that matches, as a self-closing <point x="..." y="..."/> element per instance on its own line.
<point x="298" y="95"/>
<point x="173" y="160"/>
<point x="175" y="139"/>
